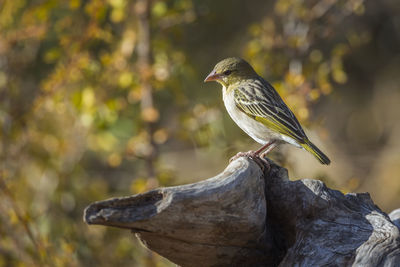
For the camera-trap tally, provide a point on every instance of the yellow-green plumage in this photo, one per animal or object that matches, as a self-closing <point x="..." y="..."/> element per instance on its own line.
<point x="313" y="149"/>
<point x="258" y="109"/>
<point x="305" y="143"/>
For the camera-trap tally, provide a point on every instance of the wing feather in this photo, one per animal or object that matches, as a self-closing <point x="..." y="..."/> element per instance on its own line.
<point x="259" y="100"/>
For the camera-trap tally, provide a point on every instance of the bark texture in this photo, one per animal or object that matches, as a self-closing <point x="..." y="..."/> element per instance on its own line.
<point x="243" y="217"/>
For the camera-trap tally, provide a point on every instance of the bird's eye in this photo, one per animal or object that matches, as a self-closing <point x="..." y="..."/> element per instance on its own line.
<point x="227" y="72"/>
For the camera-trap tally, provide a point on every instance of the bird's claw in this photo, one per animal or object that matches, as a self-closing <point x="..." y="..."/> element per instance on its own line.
<point x="241" y="154"/>
<point x="260" y="160"/>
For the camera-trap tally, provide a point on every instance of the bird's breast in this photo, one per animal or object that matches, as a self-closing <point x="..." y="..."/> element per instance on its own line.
<point x="256" y="130"/>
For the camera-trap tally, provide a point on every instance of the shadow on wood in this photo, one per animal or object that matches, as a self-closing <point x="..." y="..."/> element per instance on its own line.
<point x="243" y="217"/>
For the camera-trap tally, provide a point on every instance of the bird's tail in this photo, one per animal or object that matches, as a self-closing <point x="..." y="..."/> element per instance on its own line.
<point x="313" y="149"/>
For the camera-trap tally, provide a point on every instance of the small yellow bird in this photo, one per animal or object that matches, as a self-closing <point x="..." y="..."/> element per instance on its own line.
<point x="258" y="109"/>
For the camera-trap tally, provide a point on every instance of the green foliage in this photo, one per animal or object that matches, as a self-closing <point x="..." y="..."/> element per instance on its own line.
<point x="300" y="43"/>
<point x="74" y="128"/>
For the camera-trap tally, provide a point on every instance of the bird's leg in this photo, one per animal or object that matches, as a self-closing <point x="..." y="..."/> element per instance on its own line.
<point x="266" y="146"/>
<point x="255" y="155"/>
<point x="269" y="149"/>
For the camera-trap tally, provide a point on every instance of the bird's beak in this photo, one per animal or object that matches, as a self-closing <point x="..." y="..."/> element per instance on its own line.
<point x="213" y="76"/>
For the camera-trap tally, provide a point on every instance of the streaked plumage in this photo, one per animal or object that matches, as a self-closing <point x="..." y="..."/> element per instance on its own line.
<point x="258" y="109"/>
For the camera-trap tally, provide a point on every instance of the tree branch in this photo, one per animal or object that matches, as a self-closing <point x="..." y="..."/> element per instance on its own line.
<point x="144" y="62"/>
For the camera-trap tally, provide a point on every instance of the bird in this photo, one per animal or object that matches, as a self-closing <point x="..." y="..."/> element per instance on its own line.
<point x="257" y="108"/>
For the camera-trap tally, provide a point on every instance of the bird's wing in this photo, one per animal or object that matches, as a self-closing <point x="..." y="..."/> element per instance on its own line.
<point x="259" y="100"/>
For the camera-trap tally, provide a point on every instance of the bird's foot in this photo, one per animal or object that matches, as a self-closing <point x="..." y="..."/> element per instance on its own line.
<point x="261" y="161"/>
<point x="265" y="162"/>
<point x="249" y="154"/>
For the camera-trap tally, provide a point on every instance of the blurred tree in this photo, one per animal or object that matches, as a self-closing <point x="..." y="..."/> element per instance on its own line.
<point x="102" y="97"/>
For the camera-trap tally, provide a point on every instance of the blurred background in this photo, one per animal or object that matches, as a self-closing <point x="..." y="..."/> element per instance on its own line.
<point x="103" y="98"/>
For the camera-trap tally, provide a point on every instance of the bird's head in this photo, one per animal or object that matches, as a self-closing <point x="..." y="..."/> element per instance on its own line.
<point x="230" y="71"/>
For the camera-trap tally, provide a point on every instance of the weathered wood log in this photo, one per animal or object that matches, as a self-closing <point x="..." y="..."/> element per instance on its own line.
<point x="395" y="217"/>
<point x="243" y="217"/>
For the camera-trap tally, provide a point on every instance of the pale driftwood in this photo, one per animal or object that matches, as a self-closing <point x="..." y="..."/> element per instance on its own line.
<point x="395" y="217"/>
<point x="245" y="218"/>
